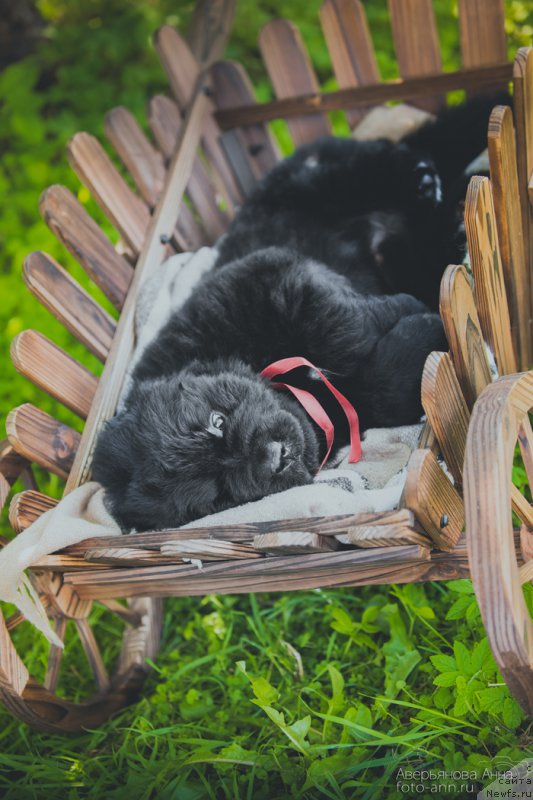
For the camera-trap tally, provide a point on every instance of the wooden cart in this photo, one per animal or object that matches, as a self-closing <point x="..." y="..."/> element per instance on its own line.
<point x="211" y="141"/>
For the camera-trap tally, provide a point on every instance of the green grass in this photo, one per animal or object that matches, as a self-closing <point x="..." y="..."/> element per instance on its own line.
<point x="320" y="694"/>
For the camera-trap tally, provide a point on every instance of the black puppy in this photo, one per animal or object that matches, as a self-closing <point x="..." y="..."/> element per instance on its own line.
<point x="388" y="216"/>
<point x="201" y="430"/>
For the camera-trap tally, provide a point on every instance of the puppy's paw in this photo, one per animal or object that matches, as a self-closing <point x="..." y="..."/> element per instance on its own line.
<point x="428" y="184"/>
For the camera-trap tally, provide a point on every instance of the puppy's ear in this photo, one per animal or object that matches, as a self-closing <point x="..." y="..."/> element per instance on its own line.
<point x="216" y="367"/>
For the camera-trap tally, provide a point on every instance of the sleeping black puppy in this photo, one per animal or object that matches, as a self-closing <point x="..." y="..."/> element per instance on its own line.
<point x="360" y="224"/>
<point x="387" y="216"/>
<point x="202" y="431"/>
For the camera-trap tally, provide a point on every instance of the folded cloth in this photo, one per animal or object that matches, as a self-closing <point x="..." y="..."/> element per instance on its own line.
<point x="391" y="122"/>
<point x="80" y="515"/>
<point x="374" y="484"/>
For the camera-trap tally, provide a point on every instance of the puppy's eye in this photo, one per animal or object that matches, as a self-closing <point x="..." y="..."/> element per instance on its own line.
<point x="217" y="422"/>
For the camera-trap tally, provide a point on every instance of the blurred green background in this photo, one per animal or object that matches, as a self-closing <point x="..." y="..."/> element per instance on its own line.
<point x="341" y="688"/>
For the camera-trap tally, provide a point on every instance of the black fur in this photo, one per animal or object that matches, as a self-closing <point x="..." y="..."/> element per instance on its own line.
<point x="357" y="225"/>
<point x="385" y="215"/>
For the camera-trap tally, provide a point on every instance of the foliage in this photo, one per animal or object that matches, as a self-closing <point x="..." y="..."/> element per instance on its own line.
<point x="315" y="694"/>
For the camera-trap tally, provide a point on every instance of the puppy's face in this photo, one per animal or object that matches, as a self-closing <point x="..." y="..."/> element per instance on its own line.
<point x="199" y="442"/>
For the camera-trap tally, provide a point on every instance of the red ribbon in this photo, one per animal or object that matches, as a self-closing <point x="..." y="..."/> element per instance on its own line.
<point x="313" y="407"/>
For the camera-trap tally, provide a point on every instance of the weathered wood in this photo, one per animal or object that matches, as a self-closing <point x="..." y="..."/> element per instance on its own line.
<point x="82" y="237"/>
<point x="435" y="502"/>
<point x="525" y="440"/>
<point x="417" y="54"/>
<point x="526" y="546"/>
<point x="506" y="193"/>
<point x="350" y="47"/>
<point x="208" y="550"/>
<point x="128" y="213"/>
<point x="203" y="189"/>
<point x="13" y="674"/>
<point x="292" y="74"/>
<point x="153" y="253"/>
<point x="183" y="73"/>
<point x="489" y="285"/>
<point x="126" y="557"/>
<point x="463" y="331"/>
<point x="523" y="116"/>
<point x="232" y="87"/>
<point x="482" y="27"/>
<point x="69" y="303"/>
<point x="55" y="657"/>
<point x="492" y="435"/>
<point x="125" y="612"/>
<point x="446" y="411"/>
<point x="209" y="29"/>
<point x="41" y="438"/>
<point x="294" y="542"/>
<point x="5" y="488"/>
<point x="146" y="166"/>
<point x="277" y="573"/>
<point x="522" y="507"/>
<point x="243" y="533"/>
<point x="93" y="654"/>
<point x="54" y="371"/>
<point x="360" y="96"/>
<point x="26" y="507"/>
<point x="385" y="536"/>
<point x="14" y="466"/>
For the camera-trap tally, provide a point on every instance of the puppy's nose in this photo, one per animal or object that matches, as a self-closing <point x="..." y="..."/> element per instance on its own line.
<point x="279" y="455"/>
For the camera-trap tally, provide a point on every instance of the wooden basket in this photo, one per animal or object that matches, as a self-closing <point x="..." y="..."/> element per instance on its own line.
<point x="211" y="141"/>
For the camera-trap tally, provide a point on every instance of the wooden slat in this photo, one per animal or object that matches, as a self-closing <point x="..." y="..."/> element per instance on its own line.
<point x="504" y="177"/>
<point x="463" y="331"/>
<point x="435" y="502"/>
<point x="523" y="115"/>
<point x="126" y="557"/>
<point x="385" y="536"/>
<point x="26" y="507"/>
<point x="232" y="87"/>
<point x="54" y="371"/>
<point x="482" y="27"/>
<point x="82" y="237"/>
<point x="350" y="47"/>
<point x="13" y="674"/>
<point x="165" y="122"/>
<point x="12" y="464"/>
<point x="525" y="440"/>
<point x="245" y="532"/>
<point x="294" y="542"/>
<point x="489" y="285"/>
<point x="55" y="656"/>
<point x="93" y="654"/>
<point x="41" y="438"/>
<point x="208" y="550"/>
<point x="292" y="74"/>
<point x="278" y="573"/>
<point x="128" y="213"/>
<point x="446" y="411"/>
<point x="146" y="166"/>
<point x="182" y="71"/>
<point x="359" y="96"/>
<point x="417" y="43"/>
<point x="5" y="488"/>
<point x="153" y="253"/>
<point x="209" y="29"/>
<point x="69" y="303"/>
<point x="522" y="507"/>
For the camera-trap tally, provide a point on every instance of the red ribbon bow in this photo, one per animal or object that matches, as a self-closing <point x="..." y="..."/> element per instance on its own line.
<point x="313" y="407"/>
